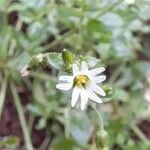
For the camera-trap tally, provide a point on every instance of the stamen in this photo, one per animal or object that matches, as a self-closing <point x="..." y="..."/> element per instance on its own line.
<point x="81" y="80"/>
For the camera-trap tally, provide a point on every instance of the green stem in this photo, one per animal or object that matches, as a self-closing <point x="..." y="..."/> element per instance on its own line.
<point x="21" y="118"/>
<point x="101" y="124"/>
<point x="3" y="94"/>
<point x="67" y="121"/>
<point x="13" y="41"/>
<point x="30" y="123"/>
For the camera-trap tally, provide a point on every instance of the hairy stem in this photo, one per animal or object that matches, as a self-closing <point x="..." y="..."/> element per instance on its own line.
<point x="3" y="94"/>
<point x="67" y="122"/>
<point x="101" y="124"/>
<point x="21" y="118"/>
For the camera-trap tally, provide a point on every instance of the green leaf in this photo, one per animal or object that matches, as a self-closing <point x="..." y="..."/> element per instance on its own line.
<point x="68" y="16"/>
<point x="142" y="67"/>
<point x="120" y="95"/>
<point x="9" y="142"/>
<point x="16" y="7"/>
<point x="104" y="50"/>
<point x="3" y="5"/>
<point x="64" y="144"/>
<point x="126" y="78"/>
<point x="111" y="20"/>
<point x="91" y="61"/>
<point x="80" y="128"/>
<point x="94" y="26"/>
<point x="55" y="60"/>
<point x="38" y="94"/>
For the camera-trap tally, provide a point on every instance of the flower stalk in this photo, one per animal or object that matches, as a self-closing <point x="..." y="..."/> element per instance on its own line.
<point x="3" y="94"/>
<point x="21" y="118"/>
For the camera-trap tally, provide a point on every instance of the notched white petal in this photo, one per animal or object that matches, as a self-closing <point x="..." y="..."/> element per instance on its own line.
<point x="66" y="78"/>
<point x="64" y="86"/>
<point x="75" y="69"/>
<point x="94" y="97"/>
<point x="84" y="66"/>
<point x="99" y="79"/>
<point x="84" y="99"/>
<point x="96" y="71"/>
<point x="75" y="96"/>
<point x="98" y="90"/>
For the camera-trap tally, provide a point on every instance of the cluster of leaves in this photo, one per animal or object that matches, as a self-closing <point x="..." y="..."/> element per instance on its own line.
<point x="116" y="33"/>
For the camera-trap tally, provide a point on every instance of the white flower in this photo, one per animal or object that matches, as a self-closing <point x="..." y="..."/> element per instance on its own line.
<point x="130" y="1"/>
<point x="84" y="83"/>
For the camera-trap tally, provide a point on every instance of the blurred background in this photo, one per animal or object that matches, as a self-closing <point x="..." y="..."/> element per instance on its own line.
<point x="34" y="114"/>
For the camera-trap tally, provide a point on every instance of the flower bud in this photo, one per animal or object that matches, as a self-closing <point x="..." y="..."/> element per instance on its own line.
<point x="36" y="63"/>
<point x="101" y="140"/>
<point x="107" y="89"/>
<point x="67" y="57"/>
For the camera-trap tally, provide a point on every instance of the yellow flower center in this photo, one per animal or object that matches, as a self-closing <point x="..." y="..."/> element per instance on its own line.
<point x="81" y="80"/>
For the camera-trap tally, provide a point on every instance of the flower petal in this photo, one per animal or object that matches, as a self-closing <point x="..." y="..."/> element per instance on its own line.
<point x="66" y="78"/>
<point x="99" y="79"/>
<point x="64" y="86"/>
<point x="75" y="69"/>
<point x="96" y="71"/>
<point x="84" y="99"/>
<point x="84" y="66"/>
<point x="94" y="97"/>
<point x="75" y="96"/>
<point x="98" y="89"/>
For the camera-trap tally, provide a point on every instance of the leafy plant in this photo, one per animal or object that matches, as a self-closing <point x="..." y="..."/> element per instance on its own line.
<point x="40" y="40"/>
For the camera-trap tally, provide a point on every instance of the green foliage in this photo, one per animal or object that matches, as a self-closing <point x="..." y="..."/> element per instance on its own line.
<point x="9" y="142"/>
<point x="65" y="144"/>
<point x="42" y="39"/>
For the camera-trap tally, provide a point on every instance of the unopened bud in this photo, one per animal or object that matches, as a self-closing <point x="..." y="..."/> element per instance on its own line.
<point x="67" y="57"/>
<point x="36" y="63"/>
<point x="107" y="89"/>
<point x="101" y="140"/>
